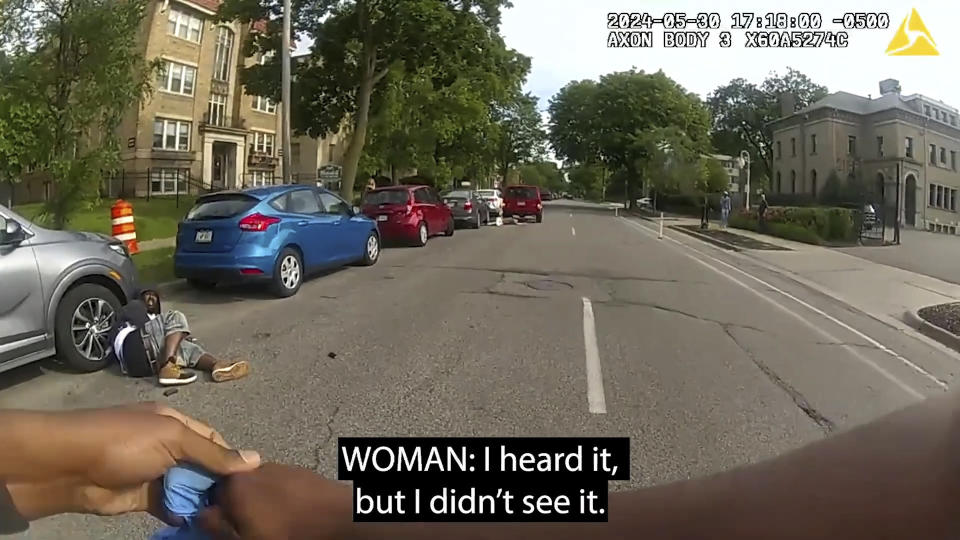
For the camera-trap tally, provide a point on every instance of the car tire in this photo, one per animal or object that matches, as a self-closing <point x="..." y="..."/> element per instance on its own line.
<point x="75" y="303"/>
<point x="287" y="273"/>
<point x="423" y="235"/>
<point x="451" y="227"/>
<point x="539" y="218"/>
<point x="202" y="284"/>
<point x="371" y="258"/>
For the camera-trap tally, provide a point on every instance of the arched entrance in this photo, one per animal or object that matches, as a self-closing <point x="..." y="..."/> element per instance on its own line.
<point x="910" y="201"/>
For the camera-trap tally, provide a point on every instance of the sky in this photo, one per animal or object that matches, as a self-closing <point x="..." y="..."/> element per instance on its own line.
<point x="567" y="40"/>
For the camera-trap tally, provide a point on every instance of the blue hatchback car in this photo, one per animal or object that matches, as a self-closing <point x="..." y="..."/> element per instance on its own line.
<point x="275" y="234"/>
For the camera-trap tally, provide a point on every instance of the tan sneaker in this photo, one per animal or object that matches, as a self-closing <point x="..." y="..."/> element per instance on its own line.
<point x="171" y="375"/>
<point x="230" y="371"/>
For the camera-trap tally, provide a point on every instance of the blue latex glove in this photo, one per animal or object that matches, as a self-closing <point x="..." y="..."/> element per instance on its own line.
<point x="186" y="491"/>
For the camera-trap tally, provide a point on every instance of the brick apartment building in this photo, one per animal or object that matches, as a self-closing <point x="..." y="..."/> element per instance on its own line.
<point x="873" y="138"/>
<point x="199" y="130"/>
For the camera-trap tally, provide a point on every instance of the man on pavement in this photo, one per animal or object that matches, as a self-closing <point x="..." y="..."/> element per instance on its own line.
<point x="168" y="340"/>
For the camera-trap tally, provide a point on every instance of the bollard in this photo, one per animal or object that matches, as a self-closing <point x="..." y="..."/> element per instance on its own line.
<point x="661" y="226"/>
<point x="121" y="219"/>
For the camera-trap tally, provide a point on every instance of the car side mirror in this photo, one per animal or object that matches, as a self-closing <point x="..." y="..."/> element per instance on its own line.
<point x="12" y="231"/>
<point x="356" y="210"/>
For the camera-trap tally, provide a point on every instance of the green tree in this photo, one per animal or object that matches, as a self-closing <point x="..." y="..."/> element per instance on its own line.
<point x="357" y="44"/>
<point x="742" y="112"/>
<point x="79" y="69"/>
<point x="520" y="135"/>
<point x="587" y="181"/>
<point x="625" y="121"/>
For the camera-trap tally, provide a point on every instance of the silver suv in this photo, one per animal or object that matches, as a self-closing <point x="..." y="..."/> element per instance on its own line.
<point x="60" y="292"/>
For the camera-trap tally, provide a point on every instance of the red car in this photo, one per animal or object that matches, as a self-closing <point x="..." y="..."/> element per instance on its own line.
<point x="408" y="213"/>
<point x="522" y="202"/>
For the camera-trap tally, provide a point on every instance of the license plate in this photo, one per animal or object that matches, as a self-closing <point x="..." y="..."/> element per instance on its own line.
<point x="381" y="218"/>
<point x="204" y="237"/>
<point x="521" y="204"/>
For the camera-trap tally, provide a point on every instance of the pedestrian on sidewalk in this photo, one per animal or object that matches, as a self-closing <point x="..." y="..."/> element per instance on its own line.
<point x="724" y="209"/>
<point x="762" y="213"/>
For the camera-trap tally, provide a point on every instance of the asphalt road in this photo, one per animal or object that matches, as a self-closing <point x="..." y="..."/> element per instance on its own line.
<point x="706" y="361"/>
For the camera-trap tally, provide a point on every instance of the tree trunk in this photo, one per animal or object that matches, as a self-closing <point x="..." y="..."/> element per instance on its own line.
<point x="351" y="159"/>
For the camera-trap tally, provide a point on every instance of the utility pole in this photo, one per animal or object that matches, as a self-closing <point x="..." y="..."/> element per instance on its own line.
<point x="287" y="38"/>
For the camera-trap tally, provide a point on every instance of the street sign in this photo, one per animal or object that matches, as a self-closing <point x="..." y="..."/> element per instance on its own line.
<point x="330" y="172"/>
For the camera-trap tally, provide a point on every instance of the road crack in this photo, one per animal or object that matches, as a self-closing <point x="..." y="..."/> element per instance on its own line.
<point x="637" y="303"/>
<point x="799" y="400"/>
<point x="318" y="451"/>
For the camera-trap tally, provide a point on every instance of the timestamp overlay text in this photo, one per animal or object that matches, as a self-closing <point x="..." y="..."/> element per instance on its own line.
<point x="750" y="30"/>
<point x="482" y="479"/>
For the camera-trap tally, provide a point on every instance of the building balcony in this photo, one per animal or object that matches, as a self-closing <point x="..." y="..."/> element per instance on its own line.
<point x="261" y="160"/>
<point x="225" y="123"/>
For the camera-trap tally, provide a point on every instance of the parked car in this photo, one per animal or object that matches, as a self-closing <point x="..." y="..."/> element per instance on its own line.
<point x="546" y="195"/>
<point x="274" y="234"/>
<point x="523" y="202"/>
<point x="467" y="207"/>
<point x="60" y="293"/>
<point x="493" y="200"/>
<point x="408" y="213"/>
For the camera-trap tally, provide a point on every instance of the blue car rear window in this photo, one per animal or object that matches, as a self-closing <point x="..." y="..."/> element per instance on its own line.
<point x="221" y="207"/>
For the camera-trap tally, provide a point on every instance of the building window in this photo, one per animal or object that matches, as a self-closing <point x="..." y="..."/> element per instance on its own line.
<point x="793" y="147"/>
<point x="261" y="178"/>
<point x="933" y="154"/>
<point x="933" y="195"/>
<point x="171" y="134"/>
<point x="779" y="183"/>
<point x="793" y="181"/>
<point x="813" y="144"/>
<point x="263" y="143"/>
<point x="177" y="78"/>
<point x="908" y="144"/>
<point x="184" y="25"/>
<point x="953" y="159"/>
<point x="939" y="196"/>
<point x="813" y="182"/>
<point x="779" y="150"/>
<point x="879" y="146"/>
<point x="168" y="181"/>
<point x="851" y="145"/>
<point x="953" y="200"/>
<point x="943" y="156"/>
<point x="926" y="110"/>
<point x="953" y="120"/>
<point x="217" y="110"/>
<point x="224" y="51"/>
<point x="263" y="104"/>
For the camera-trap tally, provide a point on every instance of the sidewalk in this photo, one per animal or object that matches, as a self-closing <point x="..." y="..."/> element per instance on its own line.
<point x="157" y="243"/>
<point x="883" y="292"/>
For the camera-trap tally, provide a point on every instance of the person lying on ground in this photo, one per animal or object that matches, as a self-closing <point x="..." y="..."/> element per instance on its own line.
<point x="168" y="339"/>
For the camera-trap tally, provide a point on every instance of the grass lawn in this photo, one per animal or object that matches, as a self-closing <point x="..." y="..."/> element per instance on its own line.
<point x="155" y="266"/>
<point x="156" y="218"/>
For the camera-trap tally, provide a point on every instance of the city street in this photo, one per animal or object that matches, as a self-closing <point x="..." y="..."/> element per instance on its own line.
<point x="586" y="324"/>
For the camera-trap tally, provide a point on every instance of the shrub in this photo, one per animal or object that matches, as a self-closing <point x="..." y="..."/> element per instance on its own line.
<point x="803" y="224"/>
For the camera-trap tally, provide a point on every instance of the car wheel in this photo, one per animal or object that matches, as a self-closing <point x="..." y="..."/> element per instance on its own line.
<point x="539" y="218"/>
<point x="202" y="284"/>
<point x="371" y="251"/>
<point x="83" y="322"/>
<point x="288" y="273"/>
<point x="422" y="235"/>
<point x="451" y="227"/>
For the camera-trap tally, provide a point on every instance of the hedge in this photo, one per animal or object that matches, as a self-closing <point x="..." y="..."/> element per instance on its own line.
<point x="803" y="224"/>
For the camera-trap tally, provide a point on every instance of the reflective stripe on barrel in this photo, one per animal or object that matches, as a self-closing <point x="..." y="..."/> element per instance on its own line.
<point x="123" y="227"/>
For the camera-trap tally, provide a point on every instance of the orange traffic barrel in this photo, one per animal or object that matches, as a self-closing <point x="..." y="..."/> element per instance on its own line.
<point x="121" y="218"/>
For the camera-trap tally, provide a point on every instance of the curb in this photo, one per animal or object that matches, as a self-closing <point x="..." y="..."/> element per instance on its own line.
<point x="930" y="330"/>
<point x="704" y="238"/>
